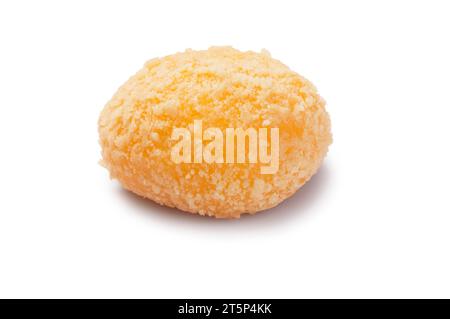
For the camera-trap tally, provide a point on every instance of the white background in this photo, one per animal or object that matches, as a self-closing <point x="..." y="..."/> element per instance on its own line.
<point x="374" y="222"/>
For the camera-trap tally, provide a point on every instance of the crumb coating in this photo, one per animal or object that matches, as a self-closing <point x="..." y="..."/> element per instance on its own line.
<point x="223" y="87"/>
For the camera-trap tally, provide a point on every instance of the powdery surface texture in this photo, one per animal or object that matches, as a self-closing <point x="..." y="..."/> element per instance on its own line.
<point x="223" y="87"/>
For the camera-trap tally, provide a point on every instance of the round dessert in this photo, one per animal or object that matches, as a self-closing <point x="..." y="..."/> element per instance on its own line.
<point x="217" y="132"/>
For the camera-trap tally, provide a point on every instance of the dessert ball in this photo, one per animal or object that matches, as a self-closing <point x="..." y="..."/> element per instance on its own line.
<point x="217" y="132"/>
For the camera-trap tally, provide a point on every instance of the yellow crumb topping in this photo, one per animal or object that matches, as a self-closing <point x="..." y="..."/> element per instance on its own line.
<point x="224" y="88"/>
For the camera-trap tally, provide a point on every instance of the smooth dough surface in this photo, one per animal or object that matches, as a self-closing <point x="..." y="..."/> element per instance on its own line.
<point x="223" y="87"/>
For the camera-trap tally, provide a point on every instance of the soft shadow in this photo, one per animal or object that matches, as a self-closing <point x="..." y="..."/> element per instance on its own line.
<point x="292" y="208"/>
